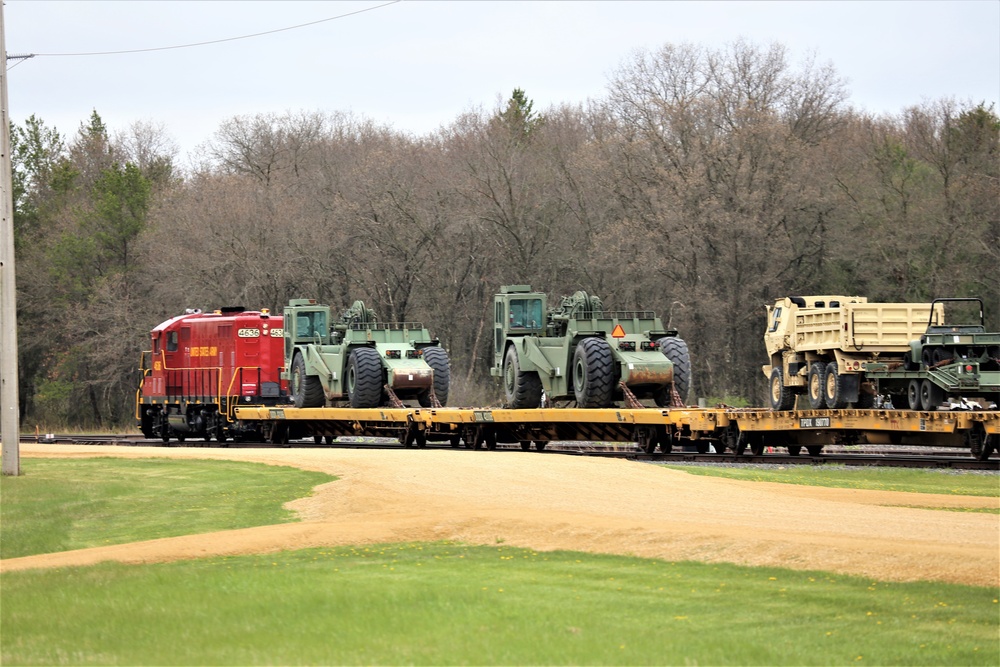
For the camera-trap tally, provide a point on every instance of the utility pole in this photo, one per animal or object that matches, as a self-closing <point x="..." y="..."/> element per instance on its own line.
<point x="10" y="430"/>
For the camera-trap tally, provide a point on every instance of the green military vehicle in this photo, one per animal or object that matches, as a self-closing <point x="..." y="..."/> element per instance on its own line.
<point x="359" y="360"/>
<point x="580" y="352"/>
<point x="958" y="359"/>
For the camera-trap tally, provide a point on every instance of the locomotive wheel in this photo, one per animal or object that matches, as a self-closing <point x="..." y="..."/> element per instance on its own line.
<point x="794" y="450"/>
<point x="437" y="359"/>
<point x="676" y="350"/>
<point x="913" y="394"/>
<point x="540" y="445"/>
<point x="593" y="373"/>
<point x="931" y="396"/>
<point x="817" y="383"/>
<point x="364" y="378"/>
<point x="782" y="397"/>
<point x="525" y="445"/>
<point x="521" y="389"/>
<point x="833" y="393"/>
<point x="307" y="390"/>
<point x="814" y="450"/>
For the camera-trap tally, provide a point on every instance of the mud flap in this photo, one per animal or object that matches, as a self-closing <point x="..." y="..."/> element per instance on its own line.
<point x="851" y="386"/>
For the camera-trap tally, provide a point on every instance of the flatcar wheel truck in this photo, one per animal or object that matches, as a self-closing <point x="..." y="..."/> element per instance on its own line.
<point x="581" y="352"/>
<point x="359" y="360"/>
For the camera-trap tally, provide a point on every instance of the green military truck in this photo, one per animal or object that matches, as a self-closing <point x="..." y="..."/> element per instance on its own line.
<point x="359" y="360"/>
<point x="580" y="352"/>
<point x="954" y="357"/>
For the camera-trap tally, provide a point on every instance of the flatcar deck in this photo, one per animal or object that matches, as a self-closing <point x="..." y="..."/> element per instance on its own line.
<point x="737" y="429"/>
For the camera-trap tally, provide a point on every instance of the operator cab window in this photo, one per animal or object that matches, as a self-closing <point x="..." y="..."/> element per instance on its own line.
<point x="310" y="325"/>
<point x="171" y="341"/>
<point x="526" y="314"/>
<point x="775" y="320"/>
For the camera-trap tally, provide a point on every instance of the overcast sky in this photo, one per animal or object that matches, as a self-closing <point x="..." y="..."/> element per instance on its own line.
<point x="417" y="65"/>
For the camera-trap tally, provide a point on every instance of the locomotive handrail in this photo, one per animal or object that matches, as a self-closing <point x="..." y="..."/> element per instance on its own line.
<point x="146" y="370"/>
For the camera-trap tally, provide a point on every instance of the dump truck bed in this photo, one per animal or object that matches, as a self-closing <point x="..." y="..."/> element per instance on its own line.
<point x="870" y="327"/>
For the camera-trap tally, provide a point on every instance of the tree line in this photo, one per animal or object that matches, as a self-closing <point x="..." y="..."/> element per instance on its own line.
<point x="704" y="184"/>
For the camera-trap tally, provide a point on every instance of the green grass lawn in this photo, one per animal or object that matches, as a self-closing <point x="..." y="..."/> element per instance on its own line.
<point x="426" y="603"/>
<point x="63" y="504"/>
<point x="855" y="477"/>
<point x="445" y="604"/>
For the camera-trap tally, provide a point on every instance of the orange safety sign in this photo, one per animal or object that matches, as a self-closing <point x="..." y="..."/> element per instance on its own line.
<point x="618" y="332"/>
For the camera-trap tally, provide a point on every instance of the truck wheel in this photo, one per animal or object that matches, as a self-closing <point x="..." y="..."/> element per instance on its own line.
<point x="913" y="394"/>
<point x="676" y="350"/>
<point x="931" y="396"/>
<point x="364" y="378"/>
<point x="942" y="355"/>
<point x="437" y="359"/>
<point x="834" y="388"/>
<point x="307" y="390"/>
<point x="817" y="383"/>
<point x="866" y="399"/>
<point x="782" y="397"/>
<point x="593" y="373"/>
<point x="521" y="389"/>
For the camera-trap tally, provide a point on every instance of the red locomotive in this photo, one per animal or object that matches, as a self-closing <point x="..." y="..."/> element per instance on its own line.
<point x="202" y="365"/>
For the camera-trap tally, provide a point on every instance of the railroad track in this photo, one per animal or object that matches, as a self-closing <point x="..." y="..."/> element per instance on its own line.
<point x="872" y="456"/>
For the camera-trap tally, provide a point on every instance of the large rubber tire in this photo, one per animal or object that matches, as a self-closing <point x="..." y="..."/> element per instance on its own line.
<point x="782" y="397"/>
<point x="307" y="390"/>
<point x="437" y="359"/>
<point x="833" y="383"/>
<point x="940" y="356"/>
<point x="931" y="396"/>
<point x="364" y="378"/>
<point x="593" y="373"/>
<point x="522" y="389"/>
<point x="913" y="394"/>
<point x="676" y="350"/>
<point x="816" y="384"/>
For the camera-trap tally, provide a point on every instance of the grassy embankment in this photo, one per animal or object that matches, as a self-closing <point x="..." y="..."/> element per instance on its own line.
<point x="914" y="480"/>
<point x="64" y="504"/>
<point x="440" y="603"/>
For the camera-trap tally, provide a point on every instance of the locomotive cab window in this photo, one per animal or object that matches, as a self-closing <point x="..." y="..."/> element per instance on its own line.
<point x="171" y="341"/>
<point x="526" y="313"/>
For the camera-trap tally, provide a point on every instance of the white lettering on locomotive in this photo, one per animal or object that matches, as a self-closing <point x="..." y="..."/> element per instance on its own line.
<point x="277" y="333"/>
<point x="248" y="333"/>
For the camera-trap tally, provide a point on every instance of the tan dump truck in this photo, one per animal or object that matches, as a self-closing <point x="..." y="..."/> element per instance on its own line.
<point x="821" y="345"/>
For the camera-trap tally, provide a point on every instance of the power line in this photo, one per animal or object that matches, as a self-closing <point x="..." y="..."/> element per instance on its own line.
<point x="217" y="41"/>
